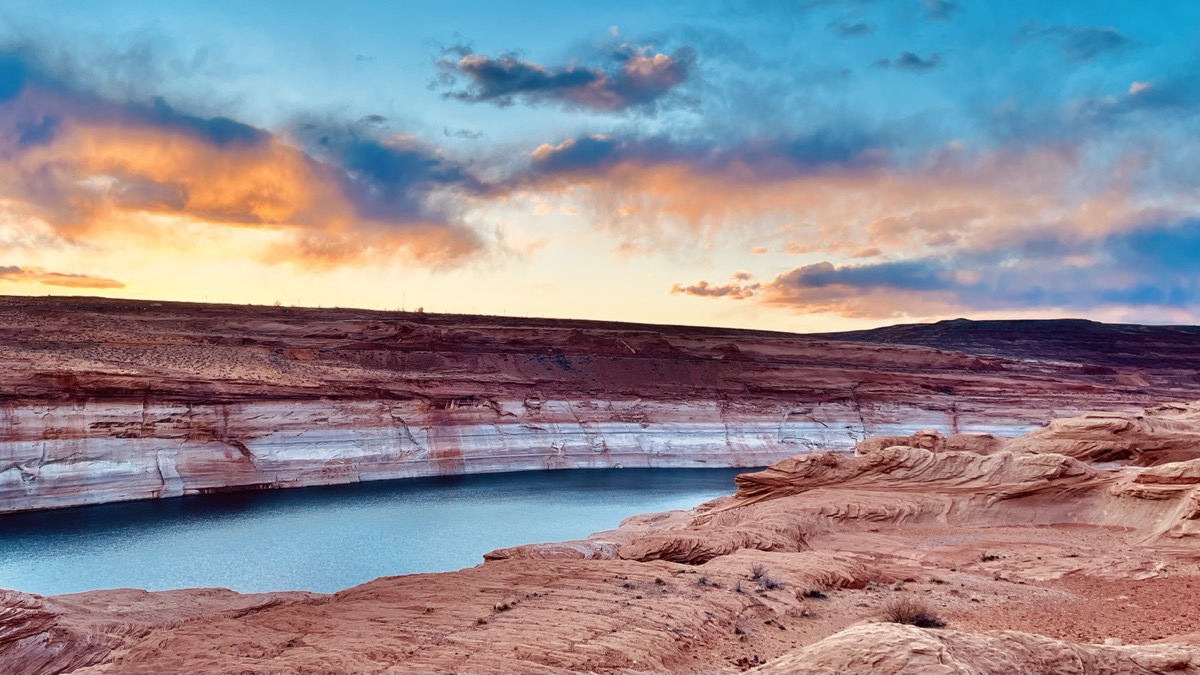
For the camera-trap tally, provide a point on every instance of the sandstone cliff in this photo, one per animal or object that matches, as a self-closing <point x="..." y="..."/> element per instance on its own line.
<point x="106" y="400"/>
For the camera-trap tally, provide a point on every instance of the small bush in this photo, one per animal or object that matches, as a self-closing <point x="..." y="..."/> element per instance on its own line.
<point x="757" y="570"/>
<point x="769" y="583"/>
<point x="911" y="611"/>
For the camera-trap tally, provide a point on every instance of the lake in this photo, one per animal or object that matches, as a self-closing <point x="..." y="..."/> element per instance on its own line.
<point x="328" y="538"/>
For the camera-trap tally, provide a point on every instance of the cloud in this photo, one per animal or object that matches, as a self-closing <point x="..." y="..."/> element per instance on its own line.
<point x="633" y="77"/>
<point x="939" y="10"/>
<point x="847" y="29"/>
<point x="1077" y="43"/>
<point x="912" y="62"/>
<point x="755" y="159"/>
<point x="704" y="289"/>
<point x="85" y="164"/>
<point x="834" y="190"/>
<point x="462" y="133"/>
<point x="1147" y="269"/>
<point x="36" y="275"/>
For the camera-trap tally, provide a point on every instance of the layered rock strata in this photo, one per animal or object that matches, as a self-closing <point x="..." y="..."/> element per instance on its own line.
<point x="106" y="400"/>
<point x="1035" y="561"/>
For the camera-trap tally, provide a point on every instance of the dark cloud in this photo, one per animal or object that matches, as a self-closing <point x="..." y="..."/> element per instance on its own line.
<point x="372" y="121"/>
<point x="36" y="275"/>
<point x="920" y="275"/>
<point x="1150" y="267"/>
<point x="912" y="62"/>
<point x="221" y="131"/>
<point x="830" y="148"/>
<point x="386" y="180"/>
<point x="847" y="29"/>
<point x="1077" y="43"/>
<point x="462" y="133"/>
<point x="939" y="10"/>
<point x="633" y="77"/>
<point x="1156" y="108"/>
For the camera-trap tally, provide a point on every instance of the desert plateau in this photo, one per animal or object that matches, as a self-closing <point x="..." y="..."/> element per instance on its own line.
<point x="1011" y="488"/>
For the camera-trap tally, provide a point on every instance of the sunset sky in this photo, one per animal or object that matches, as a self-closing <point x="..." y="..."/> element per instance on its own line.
<point x="807" y="166"/>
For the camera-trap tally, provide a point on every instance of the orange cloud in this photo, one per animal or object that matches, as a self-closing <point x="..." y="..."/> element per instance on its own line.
<point x="36" y="275"/>
<point x="101" y="166"/>
<point x="951" y="198"/>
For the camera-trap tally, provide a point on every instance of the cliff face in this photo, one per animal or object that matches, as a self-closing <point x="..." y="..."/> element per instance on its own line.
<point x="105" y="400"/>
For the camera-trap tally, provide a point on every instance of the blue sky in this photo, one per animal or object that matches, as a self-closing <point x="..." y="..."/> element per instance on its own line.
<point x="803" y="166"/>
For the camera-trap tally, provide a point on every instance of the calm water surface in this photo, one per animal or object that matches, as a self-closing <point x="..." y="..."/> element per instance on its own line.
<point x="328" y="538"/>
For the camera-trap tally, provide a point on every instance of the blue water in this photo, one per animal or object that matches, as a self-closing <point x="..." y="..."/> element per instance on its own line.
<point x="328" y="538"/>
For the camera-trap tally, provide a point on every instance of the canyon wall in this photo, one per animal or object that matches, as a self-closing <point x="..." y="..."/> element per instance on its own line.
<point x="105" y="400"/>
<point x="97" y="452"/>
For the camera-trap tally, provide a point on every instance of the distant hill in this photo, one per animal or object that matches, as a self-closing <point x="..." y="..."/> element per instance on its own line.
<point x="1075" y="340"/>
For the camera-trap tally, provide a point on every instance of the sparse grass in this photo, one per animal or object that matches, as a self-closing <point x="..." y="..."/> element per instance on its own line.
<point x="912" y="611"/>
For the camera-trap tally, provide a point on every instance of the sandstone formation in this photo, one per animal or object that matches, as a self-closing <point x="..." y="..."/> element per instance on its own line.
<point x="892" y="648"/>
<point x="107" y="400"/>
<point x="1166" y="433"/>
<point x="1037" y="562"/>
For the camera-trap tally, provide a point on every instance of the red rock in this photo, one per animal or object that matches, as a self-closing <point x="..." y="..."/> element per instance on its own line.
<point x="108" y="400"/>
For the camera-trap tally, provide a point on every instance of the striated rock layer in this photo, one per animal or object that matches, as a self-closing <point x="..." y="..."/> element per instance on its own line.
<point x="1036" y="562"/>
<point x="107" y="400"/>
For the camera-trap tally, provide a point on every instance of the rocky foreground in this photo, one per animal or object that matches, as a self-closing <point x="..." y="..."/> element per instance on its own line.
<point x="1031" y="557"/>
<point x="108" y="400"/>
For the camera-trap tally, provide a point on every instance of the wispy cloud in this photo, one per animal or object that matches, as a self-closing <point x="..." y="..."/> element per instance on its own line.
<point x="37" y="275"/>
<point x="912" y="62"/>
<point x="1077" y="43"/>
<point x="939" y="10"/>
<point x="851" y="29"/>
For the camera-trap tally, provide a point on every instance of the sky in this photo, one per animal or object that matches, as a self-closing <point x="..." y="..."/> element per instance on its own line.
<point x="813" y="165"/>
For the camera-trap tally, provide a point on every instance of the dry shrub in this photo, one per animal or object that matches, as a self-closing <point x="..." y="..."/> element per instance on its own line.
<point x="912" y="611"/>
